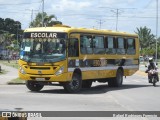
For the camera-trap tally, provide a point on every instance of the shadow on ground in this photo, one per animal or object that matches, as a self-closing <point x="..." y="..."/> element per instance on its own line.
<point x="99" y="89"/>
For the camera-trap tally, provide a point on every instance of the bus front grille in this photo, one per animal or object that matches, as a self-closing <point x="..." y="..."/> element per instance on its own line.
<point x="34" y="78"/>
<point x="40" y="68"/>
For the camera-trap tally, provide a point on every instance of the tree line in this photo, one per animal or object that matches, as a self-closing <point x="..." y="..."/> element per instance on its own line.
<point x="10" y="32"/>
<point x="148" y="42"/>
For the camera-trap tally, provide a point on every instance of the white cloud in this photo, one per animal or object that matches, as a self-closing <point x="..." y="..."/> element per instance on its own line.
<point x="65" y="5"/>
<point x="87" y="13"/>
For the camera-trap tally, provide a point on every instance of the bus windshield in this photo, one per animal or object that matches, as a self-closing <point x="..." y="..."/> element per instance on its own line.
<point x="43" y="49"/>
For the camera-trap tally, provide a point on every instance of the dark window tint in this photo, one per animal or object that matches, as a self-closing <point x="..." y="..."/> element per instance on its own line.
<point x="110" y="45"/>
<point x="121" y="46"/>
<point x="86" y="44"/>
<point x="98" y="45"/>
<point x="73" y="47"/>
<point x="131" y="46"/>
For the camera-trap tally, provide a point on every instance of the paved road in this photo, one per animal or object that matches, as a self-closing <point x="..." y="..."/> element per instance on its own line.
<point x="136" y="95"/>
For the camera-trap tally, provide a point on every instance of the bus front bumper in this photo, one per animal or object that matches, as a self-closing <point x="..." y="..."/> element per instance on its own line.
<point x="46" y="78"/>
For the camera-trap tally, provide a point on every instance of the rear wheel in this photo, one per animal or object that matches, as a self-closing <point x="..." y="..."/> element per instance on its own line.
<point x="74" y="85"/>
<point x="34" y="85"/>
<point x="118" y="80"/>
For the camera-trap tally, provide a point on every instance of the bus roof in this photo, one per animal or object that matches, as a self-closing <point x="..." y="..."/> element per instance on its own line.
<point x="68" y="29"/>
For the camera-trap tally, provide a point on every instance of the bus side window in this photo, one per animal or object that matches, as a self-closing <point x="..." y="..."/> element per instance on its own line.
<point x="110" y="45"/>
<point x="121" y="46"/>
<point x="98" y="45"/>
<point x="73" y="47"/>
<point x="131" y="46"/>
<point x="86" y="44"/>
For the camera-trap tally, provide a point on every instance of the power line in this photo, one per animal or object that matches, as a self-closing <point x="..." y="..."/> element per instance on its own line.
<point x="100" y="22"/>
<point x="42" y="12"/>
<point x="21" y="3"/>
<point x="117" y="11"/>
<point x="148" y="4"/>
<point x="31" y="13"/>
<point x="13" y="12"/>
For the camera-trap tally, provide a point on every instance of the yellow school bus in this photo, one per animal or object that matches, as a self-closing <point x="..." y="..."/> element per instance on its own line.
<point x="76" y="57"/>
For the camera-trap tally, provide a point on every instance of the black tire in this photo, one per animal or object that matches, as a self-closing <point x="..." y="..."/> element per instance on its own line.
<point x="154" y="81"/>
<point x="34" y="85"/>
<point x="74" y="85"/>
<point x="117" y="81"/>
<point x="86" y="84"/>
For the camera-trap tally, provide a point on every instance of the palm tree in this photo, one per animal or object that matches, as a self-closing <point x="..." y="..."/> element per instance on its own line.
<point x="7" y="38"/>
<point x="48" y="20"/>
<point x="146" y="37"/>
<point x="7" y="41"/>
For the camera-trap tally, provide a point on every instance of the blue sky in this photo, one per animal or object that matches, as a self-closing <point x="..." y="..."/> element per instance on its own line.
<point x="87" y="13"/>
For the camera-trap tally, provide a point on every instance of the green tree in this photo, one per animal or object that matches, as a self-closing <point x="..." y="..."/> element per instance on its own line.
<point x="8" y="38"/>
<point x="147" y="39"/>
<point x="49" y="20"/>
<point x="1" y="26"/>
<point x="158" y="47"/>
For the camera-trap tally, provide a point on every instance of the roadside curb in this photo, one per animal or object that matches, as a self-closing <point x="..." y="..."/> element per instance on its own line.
<point x="15" y="83"/>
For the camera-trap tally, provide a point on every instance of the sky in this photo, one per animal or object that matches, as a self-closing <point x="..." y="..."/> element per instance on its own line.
<point x="98" y="14"/>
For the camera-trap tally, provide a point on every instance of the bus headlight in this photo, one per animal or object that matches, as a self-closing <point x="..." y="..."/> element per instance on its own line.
<point x="60" y="71"/>
<point x="22" y="70"/>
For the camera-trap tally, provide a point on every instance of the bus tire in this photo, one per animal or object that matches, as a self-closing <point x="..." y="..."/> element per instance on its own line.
<point x="74" y="85"/>
<point x="118" y="80"/>
<point x="34" y="85"/>
<point x="86" y="84"/>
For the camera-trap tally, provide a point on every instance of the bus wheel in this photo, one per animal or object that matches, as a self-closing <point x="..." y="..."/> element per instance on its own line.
<point x="34" y="85"/>
<point x="86" y="84"/>
<point x="74" y="85"/>
<point x="117" y="81"/>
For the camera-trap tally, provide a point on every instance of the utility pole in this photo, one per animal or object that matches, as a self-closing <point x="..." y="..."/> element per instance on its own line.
<point x="156" y="29"/>
<point x="117" y="12"/>
<point x="100" y="22"/>
<point x="31" y="13"/>
<point x="42" y="12"/>
<point x="17" y="33"/>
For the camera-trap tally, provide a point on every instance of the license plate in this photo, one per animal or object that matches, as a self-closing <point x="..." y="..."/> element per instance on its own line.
<point x="40" y="79"/>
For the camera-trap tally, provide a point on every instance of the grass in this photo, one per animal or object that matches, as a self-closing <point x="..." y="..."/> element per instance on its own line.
<point x="16" y="81"/>
<point x="11" y="63"/>
<point x="3" y="72"/>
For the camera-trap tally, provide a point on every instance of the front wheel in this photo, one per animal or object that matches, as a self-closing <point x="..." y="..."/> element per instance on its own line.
<point x="74" y="85"/>
<point x="154" y="82"/>
<point x="34" y="85"/>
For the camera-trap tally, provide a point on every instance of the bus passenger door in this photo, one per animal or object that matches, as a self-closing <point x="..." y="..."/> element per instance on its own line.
<point x="73" y="55"/>
<point x="73" y="46"/>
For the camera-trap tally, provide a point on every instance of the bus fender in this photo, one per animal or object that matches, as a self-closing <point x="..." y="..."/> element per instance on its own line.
<point x="78" y="71"/>
<point x="121" y="68"/>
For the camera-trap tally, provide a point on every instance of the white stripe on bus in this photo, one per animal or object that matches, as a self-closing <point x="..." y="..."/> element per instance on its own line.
<point x="103" y="68"/>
